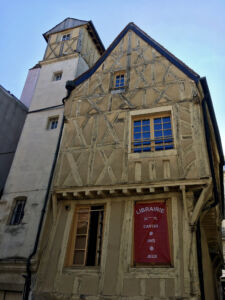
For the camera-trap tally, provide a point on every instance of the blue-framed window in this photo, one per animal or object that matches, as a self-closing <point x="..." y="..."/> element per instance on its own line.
<point x="152" y="134"/>
<point x="119" y="80"/>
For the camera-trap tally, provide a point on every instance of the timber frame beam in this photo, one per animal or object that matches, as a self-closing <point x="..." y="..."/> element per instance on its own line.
<point x="203" y="198"/>
<point x="129" y="190"/>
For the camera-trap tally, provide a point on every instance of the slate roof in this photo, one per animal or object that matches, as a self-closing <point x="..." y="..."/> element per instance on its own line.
<point x="72" y="23"/>
<point x="70" y="85"/>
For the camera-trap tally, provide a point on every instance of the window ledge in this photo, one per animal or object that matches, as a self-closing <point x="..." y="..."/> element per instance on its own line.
<point x="82" y="270"/>
<point x="118" y="90"/>
<point x="162" y="153"/>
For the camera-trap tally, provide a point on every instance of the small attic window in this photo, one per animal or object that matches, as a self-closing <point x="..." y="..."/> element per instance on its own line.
<point x="119" y="80"/>
<point x="66" y="37"/>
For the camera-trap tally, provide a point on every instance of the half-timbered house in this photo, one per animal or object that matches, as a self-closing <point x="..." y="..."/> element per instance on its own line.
<point x="137" y="196"/>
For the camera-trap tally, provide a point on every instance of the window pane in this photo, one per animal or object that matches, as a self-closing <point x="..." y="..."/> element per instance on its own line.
<point x="18" y="212"/>
<point x="146" y="135"/>
<point x="79" y="257"/>
<point x="167" y="133"/>
<point x="168" y="147"/>
<point x="157" y="126"/>
<point x="166" y="119"/>
<point x="158" y="134"/>
<point x="146" y="128"/>
<point x="168" y="141"/>
<point x="157" y="148"/>
<point x="82" y="227"/>
<point x="157" y="121"/>
<point x="147" y="149"/>
<point x="145" y="122"/>
<point x="137" y="129"/>
<point x="167" y="126"/>
<point x="80" y="242"/>
<point x="137" y="136"/>
<point x="158" y="141"/>
<point x="137" y="123"/>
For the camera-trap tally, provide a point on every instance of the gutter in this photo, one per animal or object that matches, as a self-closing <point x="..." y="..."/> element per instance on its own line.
<point x="28" y="265"/>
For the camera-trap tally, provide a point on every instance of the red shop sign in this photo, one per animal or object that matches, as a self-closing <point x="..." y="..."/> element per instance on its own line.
<point x="151" y="238"/>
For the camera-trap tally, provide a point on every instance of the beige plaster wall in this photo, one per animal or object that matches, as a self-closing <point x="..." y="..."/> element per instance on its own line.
<point x="96" y="141"/>
<point x="117" y="278"/>
<point x="55" y="43"/>
<point x="28" y="177"/>
<point x="88" y="49"/>
<point x="49" y="92"/>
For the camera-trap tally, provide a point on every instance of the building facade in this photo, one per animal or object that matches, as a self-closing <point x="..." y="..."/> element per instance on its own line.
<point x="137" y="197"/>
<point x="73" y="46"/>
<point x="12" y="117"/>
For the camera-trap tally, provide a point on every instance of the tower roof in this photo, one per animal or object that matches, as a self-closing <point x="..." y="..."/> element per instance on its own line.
<point x="72" y="23"/>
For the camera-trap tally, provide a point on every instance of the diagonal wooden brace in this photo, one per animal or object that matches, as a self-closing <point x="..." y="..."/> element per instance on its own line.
<point x="203" y="198"/>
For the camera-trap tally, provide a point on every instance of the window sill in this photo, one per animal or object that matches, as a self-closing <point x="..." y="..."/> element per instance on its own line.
<point x="82" y="270"/>
<point x="162" y="153"/>
<point x="118" y="90"/>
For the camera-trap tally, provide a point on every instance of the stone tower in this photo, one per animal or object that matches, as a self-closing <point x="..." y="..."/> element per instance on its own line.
<point x="73" y="46"/>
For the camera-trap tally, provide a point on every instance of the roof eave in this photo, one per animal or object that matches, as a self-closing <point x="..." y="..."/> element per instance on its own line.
<point x="131" y="26"/>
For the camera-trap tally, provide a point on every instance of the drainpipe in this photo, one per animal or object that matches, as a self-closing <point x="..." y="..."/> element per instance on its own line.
<point x="207" y="103"/>
<point x="199" y="255"/>
<point x="210" y="155"/>
<point x="28" y="265"/>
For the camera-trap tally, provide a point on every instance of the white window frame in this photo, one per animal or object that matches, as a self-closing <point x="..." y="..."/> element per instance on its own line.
<point x="50" y="120"/>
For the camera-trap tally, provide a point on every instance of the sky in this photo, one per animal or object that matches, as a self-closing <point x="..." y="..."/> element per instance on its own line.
<point x="194" y="31"/>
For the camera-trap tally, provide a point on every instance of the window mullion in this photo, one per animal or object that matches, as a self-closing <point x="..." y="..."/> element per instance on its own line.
<point x="152" y="135"/>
